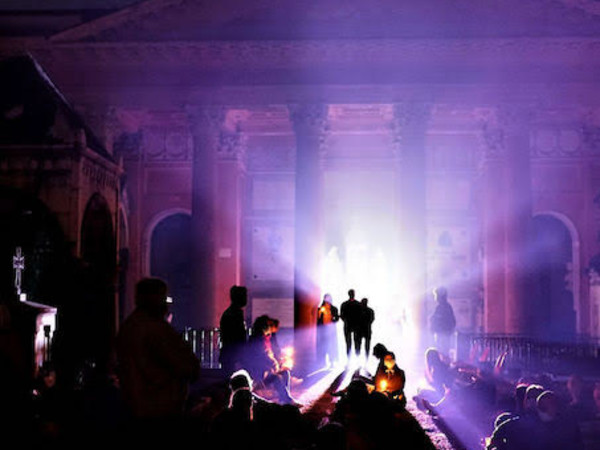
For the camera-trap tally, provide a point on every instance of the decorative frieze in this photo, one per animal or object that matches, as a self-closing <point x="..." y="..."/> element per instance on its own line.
<point x="556" y="143"/>
<point x="273" y="157"/>
<point x="167" y="145"/>
<point x="99" y="176"/>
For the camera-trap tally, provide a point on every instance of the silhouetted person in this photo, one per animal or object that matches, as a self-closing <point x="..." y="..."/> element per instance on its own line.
<point x="233" y="428"/>
<point x="580" y="407"/>
<point x="350" y="312"/>
<point x="233" y="330"/>
<point x="367" y="316"/>
<point x="327" y="317"/>
<point x="264" y="366"/>
<point x="155" y="366"/>
<point x="390" y="379"/>
<point x="558" y="431"/>
<point x="442" y="322"/>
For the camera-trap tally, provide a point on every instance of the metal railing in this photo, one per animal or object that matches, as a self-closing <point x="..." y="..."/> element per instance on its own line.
<point x="206" y="344"/>
<point x="530" y="354"/>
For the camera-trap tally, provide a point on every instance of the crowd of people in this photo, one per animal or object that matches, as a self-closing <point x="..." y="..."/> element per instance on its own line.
<point x="549" y="414"/>
<point x="147" y="400"/>
<point x="484" y="409"/>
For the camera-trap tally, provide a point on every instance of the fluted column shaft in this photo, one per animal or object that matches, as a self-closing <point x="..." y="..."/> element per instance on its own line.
<point x="507" y="203"/>
<point x="517" y="175"/>
<point x="309" y="123"/>
<point x="411" y="124"/>
<point x="205" y="123"/>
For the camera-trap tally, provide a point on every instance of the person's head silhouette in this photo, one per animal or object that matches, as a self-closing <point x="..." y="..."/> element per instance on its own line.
<point x="238" y="296"/>
<point x="151" y="297"/>
<point x="351" y="293"/>
<point x="441" y="294"/>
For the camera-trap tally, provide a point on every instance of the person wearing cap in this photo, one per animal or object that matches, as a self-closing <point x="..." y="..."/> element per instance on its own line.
<point x="155" y="364"/>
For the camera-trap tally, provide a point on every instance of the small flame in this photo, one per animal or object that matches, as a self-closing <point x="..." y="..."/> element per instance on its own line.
<point x="382" y="386"/>
<point x="287" y="358"/>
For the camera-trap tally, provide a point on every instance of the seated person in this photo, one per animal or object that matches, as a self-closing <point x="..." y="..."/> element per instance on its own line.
<point x="390" y="379"/>
<point x="264" y="366"/>
<point x="241" y="379"/>
<point x="233" y="427"/>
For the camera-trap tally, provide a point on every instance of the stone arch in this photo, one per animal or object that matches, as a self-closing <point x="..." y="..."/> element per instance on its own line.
<point x="575" y="260"/>
<point x="99" y="259"/>
<point x="169" y="257"/>
<point x="146" y="243"/>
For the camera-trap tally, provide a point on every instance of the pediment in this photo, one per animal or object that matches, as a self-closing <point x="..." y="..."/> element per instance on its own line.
<point x="34" y="112"/>
<point x="197" y="20"/>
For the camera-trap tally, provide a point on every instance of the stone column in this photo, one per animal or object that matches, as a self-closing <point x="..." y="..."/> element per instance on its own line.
<point x="507" y="207"/>
<point x="410" y="126"/>
<point x="205" y="124"/>
<point x="309" y="122"/>
<point x="231" y="179"/>
<point x="515" y="125"/>
<point x="493" y="225"/>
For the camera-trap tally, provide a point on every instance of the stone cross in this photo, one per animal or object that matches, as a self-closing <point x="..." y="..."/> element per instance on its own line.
<point x="19" y="266"/>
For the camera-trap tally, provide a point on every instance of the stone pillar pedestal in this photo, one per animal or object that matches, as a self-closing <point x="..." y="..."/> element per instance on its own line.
<point x="205" y="124"/>
<point x="309" y="122"/>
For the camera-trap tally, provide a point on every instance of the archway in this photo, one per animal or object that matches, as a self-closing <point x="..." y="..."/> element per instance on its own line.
<point x="98" y="257"/>
<point x="170" y="259"/>
<point x="554" y="314"/>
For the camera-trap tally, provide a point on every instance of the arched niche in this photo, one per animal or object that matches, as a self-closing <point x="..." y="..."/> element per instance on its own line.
<point x="170" y="258"/>
<point x="555" y="281"/>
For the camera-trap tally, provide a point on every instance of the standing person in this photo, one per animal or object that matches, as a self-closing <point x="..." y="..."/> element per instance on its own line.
<point x="233" y="330"/>
<point x="442" y="322"/>
<point x="367" y="317"/>
<point x="350" y="313"/>
<point x="327" y="317"/>
<point x="155" y="365"/>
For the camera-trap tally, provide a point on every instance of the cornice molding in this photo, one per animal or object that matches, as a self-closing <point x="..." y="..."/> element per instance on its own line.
<point x="264" y="54"/>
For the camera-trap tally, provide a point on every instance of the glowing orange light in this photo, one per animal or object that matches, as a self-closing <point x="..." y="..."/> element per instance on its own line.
<point x="382" y="386"/>
<point x="287" y="358"/>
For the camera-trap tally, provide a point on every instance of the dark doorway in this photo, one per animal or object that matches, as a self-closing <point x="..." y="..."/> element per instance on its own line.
<point x="27" y="223"/>
<point x="123" y="266"/>
<point x="98" y="255"/>
<point x="554" y="314"/>
<point x="170" y="259"/>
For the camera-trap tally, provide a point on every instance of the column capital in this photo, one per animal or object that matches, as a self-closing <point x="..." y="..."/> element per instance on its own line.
<point x="411" y="115"/>
<point x="206" y="119"/>
<point x="514" y="118"/>
<point x="408" y="117"/>
<point x="590" y="132"/>
<point x="232" y="146"/>
<point x="309" y="117"/>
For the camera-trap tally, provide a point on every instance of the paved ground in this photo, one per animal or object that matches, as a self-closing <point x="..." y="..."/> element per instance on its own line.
<point x="319" y="402"/>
